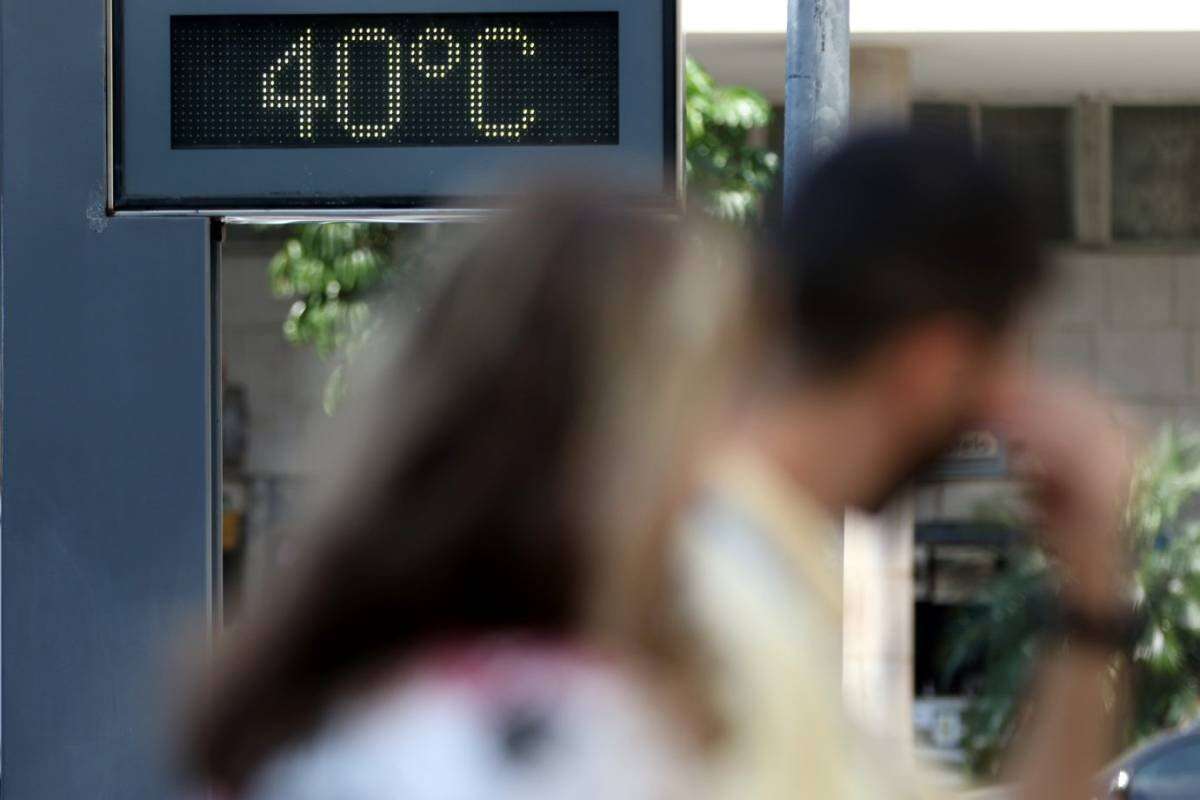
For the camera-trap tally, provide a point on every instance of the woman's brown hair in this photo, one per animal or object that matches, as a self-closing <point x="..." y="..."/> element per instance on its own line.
<point x="518" y="475"/>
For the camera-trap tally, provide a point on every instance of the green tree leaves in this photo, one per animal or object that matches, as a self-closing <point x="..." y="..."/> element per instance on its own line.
<point x="334" y="274"/>
<point x="727" y="176"/>
<point x="327" y="269"/>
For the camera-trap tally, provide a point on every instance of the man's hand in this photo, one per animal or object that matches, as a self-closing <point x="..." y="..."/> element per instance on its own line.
<point x="1077" y="460"/>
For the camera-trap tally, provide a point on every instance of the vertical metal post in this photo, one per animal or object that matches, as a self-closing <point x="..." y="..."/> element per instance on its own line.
<point x="817" y="106"/>
<point x="108" y="456"/>
<point x="818" y="85"/>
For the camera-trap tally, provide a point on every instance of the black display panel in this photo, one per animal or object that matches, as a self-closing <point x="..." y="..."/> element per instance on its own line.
<point x="388" y="80"/>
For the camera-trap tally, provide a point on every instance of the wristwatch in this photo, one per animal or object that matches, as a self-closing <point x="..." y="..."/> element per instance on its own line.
<point x="1116" y="632"/>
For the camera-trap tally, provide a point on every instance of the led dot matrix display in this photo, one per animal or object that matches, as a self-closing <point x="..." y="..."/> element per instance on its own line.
<point x="394" y="80"/>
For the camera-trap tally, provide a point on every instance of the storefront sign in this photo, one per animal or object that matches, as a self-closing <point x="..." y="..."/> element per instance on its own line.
<point x="976" y="454"/>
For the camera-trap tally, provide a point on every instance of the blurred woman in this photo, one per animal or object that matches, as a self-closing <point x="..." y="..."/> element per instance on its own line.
<point x="485" y="608"/>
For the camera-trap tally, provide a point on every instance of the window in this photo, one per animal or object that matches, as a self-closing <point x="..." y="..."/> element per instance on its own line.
<point x="1172" y="775"/>
<point x="1033" y="142"/>
<point x="948" y="119"/>
<point x="1155" y="164"/>
<point x="1035" y="145"/>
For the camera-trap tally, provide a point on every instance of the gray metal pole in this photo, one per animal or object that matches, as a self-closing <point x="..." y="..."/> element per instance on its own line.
<point x="817" y="108"/>
<point x="818" y="85"/>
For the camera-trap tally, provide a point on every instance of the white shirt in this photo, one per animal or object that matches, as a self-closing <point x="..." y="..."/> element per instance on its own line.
<point x="492" y="721"/>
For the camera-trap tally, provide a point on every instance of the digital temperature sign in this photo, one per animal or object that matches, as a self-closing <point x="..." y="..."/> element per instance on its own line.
<point x="395" y="80"/>
<point x="388" y="108"/>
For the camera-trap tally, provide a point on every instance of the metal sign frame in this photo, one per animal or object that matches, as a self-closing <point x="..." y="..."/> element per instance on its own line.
<point x="411" y="208"/>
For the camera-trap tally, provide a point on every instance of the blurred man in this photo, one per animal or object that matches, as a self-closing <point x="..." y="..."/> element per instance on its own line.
<point x="907" y="265"/>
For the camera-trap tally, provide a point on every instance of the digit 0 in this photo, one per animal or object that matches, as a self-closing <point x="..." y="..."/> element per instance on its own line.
<point x="395" y="60"/>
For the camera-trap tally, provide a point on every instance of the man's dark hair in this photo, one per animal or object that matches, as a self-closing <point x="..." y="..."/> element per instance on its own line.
<point x="894" y="228"/>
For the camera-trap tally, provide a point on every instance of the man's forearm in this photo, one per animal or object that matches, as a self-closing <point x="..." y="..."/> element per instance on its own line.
<point x="1076" y="707"/>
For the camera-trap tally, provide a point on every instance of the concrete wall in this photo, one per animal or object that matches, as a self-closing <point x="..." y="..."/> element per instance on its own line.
<point x="1129" y="323"/>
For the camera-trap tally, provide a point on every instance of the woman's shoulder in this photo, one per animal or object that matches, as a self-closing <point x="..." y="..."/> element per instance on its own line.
<point x="493" y="719"/>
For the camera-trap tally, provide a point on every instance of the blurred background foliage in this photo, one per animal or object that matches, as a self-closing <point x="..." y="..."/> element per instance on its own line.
<point x="1163" y="527"/>
<point x="334" y="272"/>
<point x="727" y="176"/>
